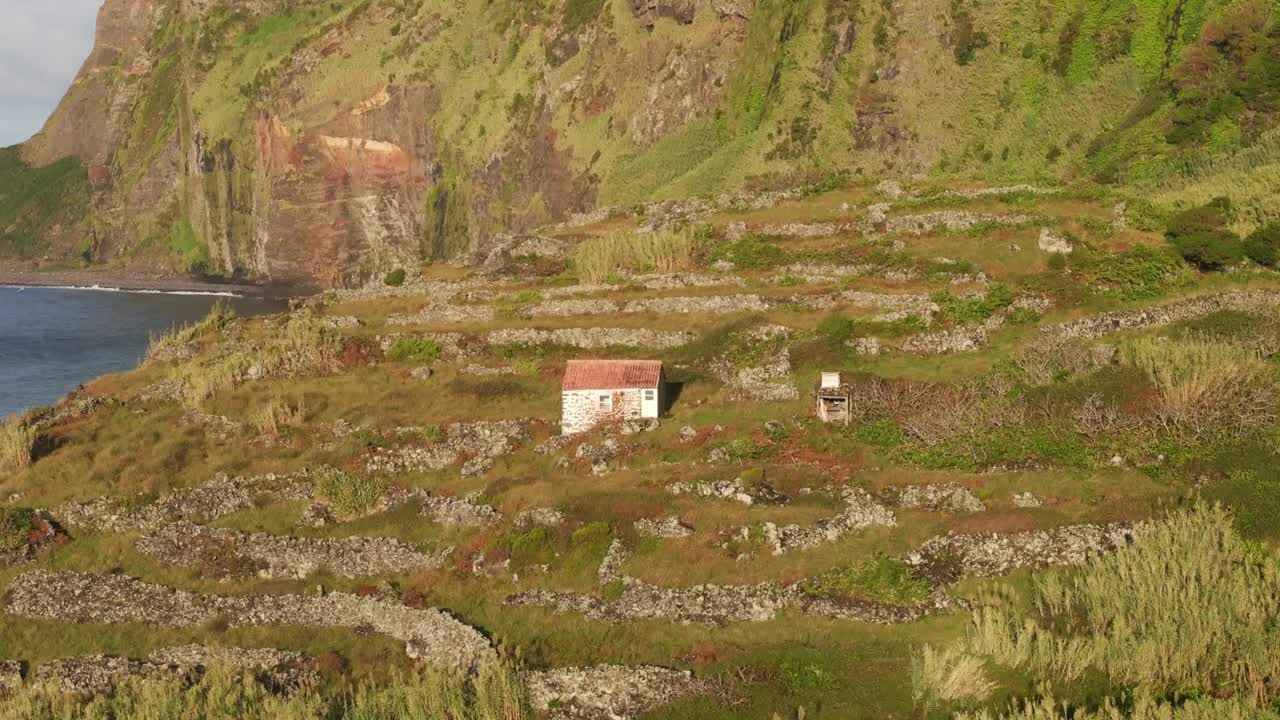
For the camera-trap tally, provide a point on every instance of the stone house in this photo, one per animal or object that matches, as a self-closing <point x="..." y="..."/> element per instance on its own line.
<point x="835" y="397"/>
<point x="598" y="391"/>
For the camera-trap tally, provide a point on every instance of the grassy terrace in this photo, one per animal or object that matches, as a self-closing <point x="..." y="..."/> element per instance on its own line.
<point x="1047" y="424"/>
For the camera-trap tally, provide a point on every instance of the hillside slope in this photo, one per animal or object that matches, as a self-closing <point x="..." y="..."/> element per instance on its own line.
<point x="321" y="144"/>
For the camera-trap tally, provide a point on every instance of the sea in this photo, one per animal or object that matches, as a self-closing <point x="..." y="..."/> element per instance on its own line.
<point x="54" y="339"/>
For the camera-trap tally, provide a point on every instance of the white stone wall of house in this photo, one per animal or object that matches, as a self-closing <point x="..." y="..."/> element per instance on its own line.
<point x="584" y="409"/>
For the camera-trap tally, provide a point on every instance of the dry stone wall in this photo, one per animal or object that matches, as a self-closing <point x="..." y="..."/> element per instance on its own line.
<point x="186" y="545"/>
<point x="429" y="635"/>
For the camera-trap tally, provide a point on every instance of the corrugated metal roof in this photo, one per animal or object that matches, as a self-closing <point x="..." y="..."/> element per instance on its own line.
<point x="612" y="374"/>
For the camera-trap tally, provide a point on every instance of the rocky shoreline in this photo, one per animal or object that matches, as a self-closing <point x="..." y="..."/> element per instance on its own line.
<point x="137" y="282"/>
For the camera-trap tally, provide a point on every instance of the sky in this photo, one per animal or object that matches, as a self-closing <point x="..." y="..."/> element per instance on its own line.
<point x="42" y="45"/>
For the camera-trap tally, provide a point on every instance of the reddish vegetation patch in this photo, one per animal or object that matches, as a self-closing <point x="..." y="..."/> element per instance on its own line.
<point x="358" y="352"/>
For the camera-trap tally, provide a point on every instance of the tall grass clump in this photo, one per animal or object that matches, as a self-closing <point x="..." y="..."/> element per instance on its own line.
<point x="277" y="415"/>
<point x="1143" y="708"/>
<point x="494" y="692"/>
<point x="948" y="676"/>
<point x="599" y="258"/>
<point x="166" y="346"/>
<point x="17" y="441"/>
<point x="1188" y="610"/>
<point x="1203" y="385"/>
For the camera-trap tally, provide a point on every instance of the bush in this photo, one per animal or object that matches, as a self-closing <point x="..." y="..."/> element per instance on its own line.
<point x="837" y="329"/>
<point x="1205" y="385"/>
<point x="395" y="278"/>
<point x="879" y="578"/>
<point x="1142" y="273"/>
<point x="17" y="440"/>
<point x="948" y="676"/>
<point x="1201" y="237"/>
<point x="1263" y="245"/>
<point x="16" y="525"/>
<point x="754" y="253"/>
<point x="532" y="548"/>
<point x="1057" y="262"/>
<point x="351" y="495"/>
<point x="413" y="349"/>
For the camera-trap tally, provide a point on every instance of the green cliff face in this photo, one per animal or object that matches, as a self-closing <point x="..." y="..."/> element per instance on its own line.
<point x="324" y="143"/>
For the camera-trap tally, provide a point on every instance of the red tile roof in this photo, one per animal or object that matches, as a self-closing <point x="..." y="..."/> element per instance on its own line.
<point x="612" y="374"/>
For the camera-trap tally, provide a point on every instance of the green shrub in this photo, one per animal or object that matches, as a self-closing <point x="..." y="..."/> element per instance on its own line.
<point x="1201" y="237"/>
<point x="395" y="278"/>
<point x="1141" y="273"/>
<point x="16" y="525"/>
<point x="881" y="433"/>
<point x="412" y="349"/>
<point x="970" y="310"/>
<point x="746" y="449"/>
<point x="804" y="678"/>
<point x="351" y="495"/>
<point x="532" y="548"/>
<point x="837" y="329"/>
<point x="879" y="578"/>
<point x="1263" y="245"/>
<point x="1254" y="498"/>
<point x="1057" y="262"/>
<point x="754" y="253"/>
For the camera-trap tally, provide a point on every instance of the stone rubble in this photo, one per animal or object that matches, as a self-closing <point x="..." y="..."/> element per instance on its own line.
<point x="10" y="677"/>
<point x="484" y="440"/>
<point x="943" y="497"/>
<point x="950" y="220"/>
<point x="1097" y="326"/>
<point x="771" y="380"/>
<point x="429" y="635"/>
<point x="218" y="498"/>
<point x="539" y="517"/>
<point x="952" y="556"/>
<point x="593" y="338"/>
<point x="186" y="545"/>
<point x="861" y="511"/>
<point x="1026" y="500"/>
<point x="1053" y="243"/>
<point x="719" y="605"/>
<point x="727" y="489"/>
<point x="668" y="527"/>
<point x="610" y="569"/>
<point x="95" y="674"/>
<point x="607" y="692"/>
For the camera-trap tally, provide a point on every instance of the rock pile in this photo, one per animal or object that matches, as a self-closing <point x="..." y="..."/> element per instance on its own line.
<point x="771" y="379"/>
<point x="273" y="556"/>
<point x="94" y="674"/>
<point x="944" y="497"/>
<point x="949" y="557"/>
<point x="721" y="604"/>
<point x="951" y="220"/>
<point x="862" y="511"/>
<point x="1097" y="326"/>
<point x="593" y="338"/>
<point x="429" y="635"/>
<point x="219" y="497"/>
<point x="481" y="441"/>
<point x="607" y="691"/>
<point x="668" y="527"/>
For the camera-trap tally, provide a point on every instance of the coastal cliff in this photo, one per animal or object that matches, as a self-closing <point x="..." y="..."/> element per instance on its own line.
<point x="321" y="144"/>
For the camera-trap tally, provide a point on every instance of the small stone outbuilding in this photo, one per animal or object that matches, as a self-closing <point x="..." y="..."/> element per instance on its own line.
<point x="834" y="394"/>
<point x="598" y="391"/>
